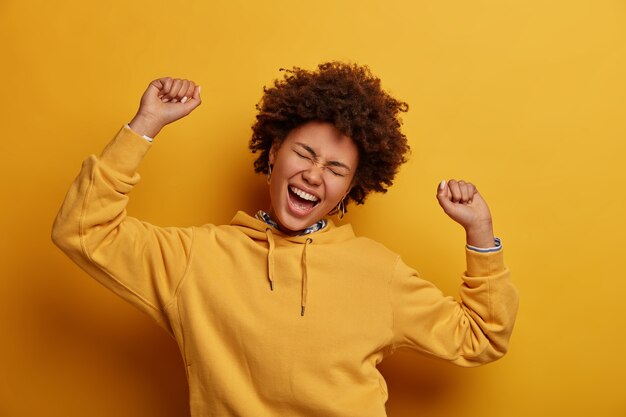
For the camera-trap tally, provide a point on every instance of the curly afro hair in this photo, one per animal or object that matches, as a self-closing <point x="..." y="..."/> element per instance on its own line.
<point x="349" y="97"/>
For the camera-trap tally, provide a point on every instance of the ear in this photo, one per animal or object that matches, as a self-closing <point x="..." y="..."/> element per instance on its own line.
<point x="346" y="194"/>
<point x="273" y="150"/>
<point x="351" y="186"/>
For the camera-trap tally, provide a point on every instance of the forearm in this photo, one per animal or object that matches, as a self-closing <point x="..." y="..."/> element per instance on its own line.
<point x="97" y="198"/>
<point x="491" y="302"/>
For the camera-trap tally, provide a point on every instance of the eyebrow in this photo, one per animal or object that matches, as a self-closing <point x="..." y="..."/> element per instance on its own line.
<point x="314" y="155"/>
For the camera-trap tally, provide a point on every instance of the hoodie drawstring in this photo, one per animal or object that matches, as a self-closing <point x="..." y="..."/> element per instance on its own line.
<point x="270" y="257"/>
<point x="304" y="276"/>
<point x="270" y="267"/>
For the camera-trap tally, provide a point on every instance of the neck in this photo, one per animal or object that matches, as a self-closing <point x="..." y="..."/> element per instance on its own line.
<point x="318" y="225"/>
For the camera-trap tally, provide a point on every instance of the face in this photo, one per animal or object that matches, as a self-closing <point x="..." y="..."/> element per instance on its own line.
<point x="312" y="170"/>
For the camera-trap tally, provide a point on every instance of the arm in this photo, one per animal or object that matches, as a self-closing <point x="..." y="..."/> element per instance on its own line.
<point x="469" y="332"/>
<point x="142" y="263"/>
<point x="477" y="329"/>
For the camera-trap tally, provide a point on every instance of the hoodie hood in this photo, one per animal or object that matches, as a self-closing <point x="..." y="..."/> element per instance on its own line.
<point x="271" y="238"/>
<point x="255" y="229"/>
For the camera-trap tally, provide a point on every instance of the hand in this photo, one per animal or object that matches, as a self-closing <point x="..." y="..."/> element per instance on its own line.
<point x="165" y="101"/>
<point x="462" y="202"/>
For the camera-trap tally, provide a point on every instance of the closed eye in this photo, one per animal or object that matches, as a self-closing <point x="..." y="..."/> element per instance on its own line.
<point x="338" y="174"/>
<point x="334" y="167"/>
<point x="301" y="155"/>
<point x="337" y="168"/>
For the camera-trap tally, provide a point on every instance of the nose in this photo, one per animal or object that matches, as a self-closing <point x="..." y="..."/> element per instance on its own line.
<point x="313" y="174"/>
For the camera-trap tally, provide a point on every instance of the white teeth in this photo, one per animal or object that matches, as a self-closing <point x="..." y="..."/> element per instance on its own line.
<point x="303" y="194"/>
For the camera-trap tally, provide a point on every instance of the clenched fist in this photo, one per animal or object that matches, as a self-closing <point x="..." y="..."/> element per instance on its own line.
<point x="462" y="202"/>
<point x="165" y="101"/>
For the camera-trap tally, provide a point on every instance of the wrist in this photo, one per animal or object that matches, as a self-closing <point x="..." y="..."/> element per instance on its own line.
<point x="145" y="125"/>
<point x="480" y="236"/>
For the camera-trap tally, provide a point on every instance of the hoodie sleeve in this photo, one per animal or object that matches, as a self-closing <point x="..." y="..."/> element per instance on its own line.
<point x="141" y="263"/>
<point x="469" y="332"/>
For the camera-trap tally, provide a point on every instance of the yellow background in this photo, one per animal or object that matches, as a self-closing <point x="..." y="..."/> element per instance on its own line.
<point x="526" y="98"/>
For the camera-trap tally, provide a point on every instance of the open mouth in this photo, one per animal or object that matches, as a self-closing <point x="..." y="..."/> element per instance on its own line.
<point x="301" y="201"/>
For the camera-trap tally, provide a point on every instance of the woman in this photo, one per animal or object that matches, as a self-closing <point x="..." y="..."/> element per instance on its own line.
<point x="284" y="313"/>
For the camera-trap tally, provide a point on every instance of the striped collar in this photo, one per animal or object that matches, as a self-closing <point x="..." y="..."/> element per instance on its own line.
<point x="264" y="217"/>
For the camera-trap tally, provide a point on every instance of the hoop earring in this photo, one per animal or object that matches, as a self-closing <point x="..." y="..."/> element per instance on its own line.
<point x="269" y="173"/>
<point x="341" y="209"/>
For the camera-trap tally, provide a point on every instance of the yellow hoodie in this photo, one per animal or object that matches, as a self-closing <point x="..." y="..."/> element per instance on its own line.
<point x="233" y="297"/>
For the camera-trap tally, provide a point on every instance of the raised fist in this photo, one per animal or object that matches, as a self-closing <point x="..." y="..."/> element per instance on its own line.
<point x="165" y="101"/>
<point x="462" y="202"/>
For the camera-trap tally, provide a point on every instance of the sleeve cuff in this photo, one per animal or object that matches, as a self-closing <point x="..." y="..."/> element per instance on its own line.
<point x="125" y="152"/>
<point x="484" y="264"/>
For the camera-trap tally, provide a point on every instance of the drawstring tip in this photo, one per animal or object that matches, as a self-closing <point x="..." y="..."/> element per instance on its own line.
<point x="302" y="311"/>
<point x="272" y="285"/>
